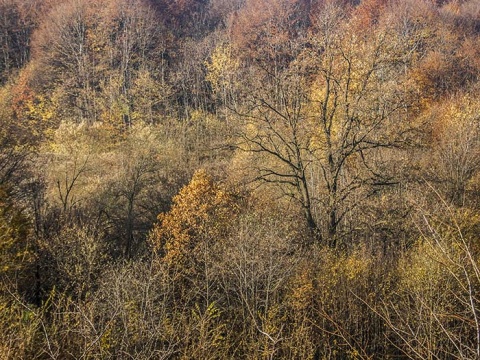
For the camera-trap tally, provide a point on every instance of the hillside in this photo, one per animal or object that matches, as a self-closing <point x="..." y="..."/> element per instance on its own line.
<point x="239" y="179"/>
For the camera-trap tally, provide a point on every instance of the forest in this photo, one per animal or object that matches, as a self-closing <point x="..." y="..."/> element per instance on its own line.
<point x="239" y="179"/>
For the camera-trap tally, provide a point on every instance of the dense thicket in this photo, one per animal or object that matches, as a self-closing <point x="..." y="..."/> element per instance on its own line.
<point x="213" y="179"/>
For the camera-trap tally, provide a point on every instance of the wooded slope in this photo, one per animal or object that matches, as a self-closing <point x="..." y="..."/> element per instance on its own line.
<point x="278" y="179"/>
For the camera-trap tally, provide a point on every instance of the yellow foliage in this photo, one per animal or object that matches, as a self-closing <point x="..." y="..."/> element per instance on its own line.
<point x="42" y="112"/>
<point x="201" y="212"/>
<point x="302" y="290"/>
<point x="462" y="115"/>
<point x="440" y="259"/>
<point x="41" y="108"/>
<point x="221" y="67"/>
<point x="355" y="266"/>
<point x="147" y="93"/>
<point x="106" y="340"/>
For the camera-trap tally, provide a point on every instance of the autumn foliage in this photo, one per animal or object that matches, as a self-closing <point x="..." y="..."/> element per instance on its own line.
<point x="201" y="212"/>
<point x="239" y="179"/>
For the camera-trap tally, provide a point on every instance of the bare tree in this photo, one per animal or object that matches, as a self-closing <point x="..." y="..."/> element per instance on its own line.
<point x="319" y="125"/>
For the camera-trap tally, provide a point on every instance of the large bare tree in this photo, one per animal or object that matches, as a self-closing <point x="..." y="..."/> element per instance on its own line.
<point x="320" y="124"/>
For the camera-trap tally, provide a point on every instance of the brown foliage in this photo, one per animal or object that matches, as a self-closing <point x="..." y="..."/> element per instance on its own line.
<point x="263" y="30"/>
<point x="201" y="212"/>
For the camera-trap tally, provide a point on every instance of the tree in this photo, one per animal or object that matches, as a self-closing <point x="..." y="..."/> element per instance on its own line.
<point x="134" y="193"/>
<point x="455" y="147"/>
<point x="90" y="54"/>
<point x="320" y="125"/>
<point x="70" y="156"/>
<point x="185" y="242"/>
<point x="200" y="214"/>
<point x="132" y="35"/>
<point x="17" y="22"/>
<point x="222" y="70"/>
<point x="264" y="31"/>
<point x="63" y="51"/>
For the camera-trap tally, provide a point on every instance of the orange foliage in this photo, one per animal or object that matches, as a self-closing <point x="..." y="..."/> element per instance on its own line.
<point x="369" y="12"/>
<point x="262" y="29"/>
<point x="201" y="212"/>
